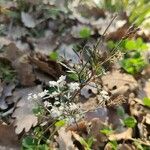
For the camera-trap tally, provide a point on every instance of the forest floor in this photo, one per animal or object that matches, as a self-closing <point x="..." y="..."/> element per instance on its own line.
<point x="74" y="75"/>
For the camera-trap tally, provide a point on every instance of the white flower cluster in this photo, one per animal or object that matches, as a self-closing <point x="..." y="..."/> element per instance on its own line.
<point x="62" y="107"/>
<point x="32" y="96"/>
<point x="64" y="111"/>
<point x="61" y="83"/>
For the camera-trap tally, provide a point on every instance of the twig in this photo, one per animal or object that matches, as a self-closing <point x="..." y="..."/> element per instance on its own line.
<point x="101" y="39"/>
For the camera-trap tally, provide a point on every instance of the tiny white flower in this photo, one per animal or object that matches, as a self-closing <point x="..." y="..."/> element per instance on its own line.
<point x="56" y="98"/>
<point x="29" y="97"/>
<point x="53" y="83"/>
<point x="35" y="96"/>
<point x="55" y="112"/>
<point x="61" y="108"/>
<point x="68" y="96"/>
<point x="47" y="104"/>
<point x="73" y="86"/>
<point x="30" y="94"/>
<point x="42" y="94"/>
<point x="61" y="79"/>
<point x="56" y="103"/>
<point x="54" y="94"/>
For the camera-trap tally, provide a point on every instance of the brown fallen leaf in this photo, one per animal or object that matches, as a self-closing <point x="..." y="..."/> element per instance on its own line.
<point x="64" y="140"/>
<point x="79" y="139"/>
<point x="126" y="147"/>
<point x="127" y="134"/>
<point x="23" y="114"/>
<point x="19" y="61"/>
<point x="46" y="65"/>
<point x="79" y="126"/>
<point x="95" y="127"/>
<point x="9" y="140"/>
<point x="147" y="88"/>
<point x="116" y="80"/>
<point x="120" y="147"/>
<point x="6" y="92"/>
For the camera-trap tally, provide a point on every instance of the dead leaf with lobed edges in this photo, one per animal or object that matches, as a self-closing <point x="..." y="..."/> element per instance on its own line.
<point x="19" y="61"/>
<point x="44" y="64"/>
<point x="8" y="140"/>
<point x="64" y="140"/>
<point x="125" y="135"/>
<point x="117" y="81"/>
<point x="6" y="92"/>
<point x="23" y="114"/>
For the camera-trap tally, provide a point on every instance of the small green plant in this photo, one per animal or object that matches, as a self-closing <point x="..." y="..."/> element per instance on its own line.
<point x="85" y="32"/>
<point x="139" y="12"/>
<point x="87" y="144"/>
<point x="146" y="101"/>
<point x="106" y="131"/>
<point x="113" y="145"/>
<point x="53" y="56"/>
<point x="6" y="72"/>
<point x="30" y="143"/>
<point x="133" y="65"/>
<point x="60" y="123"/>
<point x="130" y="122"/>
<point x="133" y="61"/>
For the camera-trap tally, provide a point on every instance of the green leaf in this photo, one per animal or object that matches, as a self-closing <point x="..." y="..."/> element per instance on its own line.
<point x="106" y="131"/>
<point x="29" y="142"/>
<point x="133" y="65"/>
<point x="113" y="145"/>
<point x="38" y="110"/>
<point x="130" y="122"/>
<point x="53" y="56"/>
<point x="138" y="146"/>
<point x="73" y="76"/>
<point x="60" y="123"/>
<point x="90" y="141"/>
<point x="84" y="143"/>
<point x="85" y="32"/>
<point x="111" y="44"/>
<point x="146" y="101"/>
<point x="130" y="45"/>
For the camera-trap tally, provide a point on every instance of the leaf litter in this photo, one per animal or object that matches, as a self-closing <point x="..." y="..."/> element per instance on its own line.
<point x="31" y="35"/>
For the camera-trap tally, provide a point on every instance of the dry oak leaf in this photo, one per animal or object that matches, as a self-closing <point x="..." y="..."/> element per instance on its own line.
<point x="120" y="147"/>
<point x="23" y="114"/>
<point x="19" y="61"/>
<point x="46" y="65"/>
<point x="127" y="134"/>
<point x="6" y="92"/>
<point x="147" y="88"/>
<point x="116" y="80"/>
<point x="9" y="140"/>
<point x="64" y="140"/>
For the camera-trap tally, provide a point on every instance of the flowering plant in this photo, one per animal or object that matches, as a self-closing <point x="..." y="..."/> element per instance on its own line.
<point x="58" y="100"/>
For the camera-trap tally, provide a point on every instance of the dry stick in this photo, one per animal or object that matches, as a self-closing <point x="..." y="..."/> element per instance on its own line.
<point x="126" y="35"/>
<point x="95" y="47"/>
<point x="115" y="48"/>
<point x="101" y="39"/>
